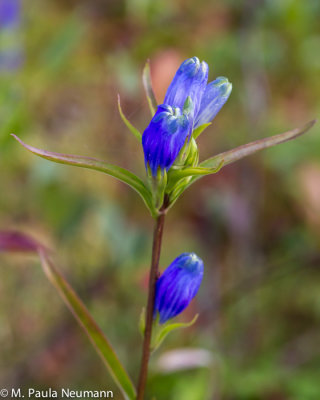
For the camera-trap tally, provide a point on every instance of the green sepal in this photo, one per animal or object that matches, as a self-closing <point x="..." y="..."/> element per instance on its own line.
<point x="157" y="186"/>
<point x="160" y="331"/>
<point x="188" y="106"/>
<point x="197" y="132"/>
<point x="188" y="155"/>
<point x="147" y="84"/>
<point x="197" y="171"/>
<point x="181" y="178"/>
<point x="192" y="158"/>
<point x="128" y="124"/>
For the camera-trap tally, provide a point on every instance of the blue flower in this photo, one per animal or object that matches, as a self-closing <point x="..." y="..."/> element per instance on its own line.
<point x="177" y="286"/>
<point x="190" y="80"/>
<point x="214" y="97"/>
<point x="173" y="122"/>
<point x="164" y="137"/>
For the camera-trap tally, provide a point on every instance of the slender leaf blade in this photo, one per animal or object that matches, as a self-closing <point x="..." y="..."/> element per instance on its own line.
<point x="219" y="161"/>
<point x="19" y="242"/>
<point x="93" y="331"/>
<point x="92" y="163"/>
<point x="128" y="124"/>
<point x="245" y="150"/>
<point x="147" y="84"/>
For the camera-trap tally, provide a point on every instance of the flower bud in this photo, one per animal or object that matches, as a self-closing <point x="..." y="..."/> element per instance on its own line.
<point x="164" y="137"/>
<point x="190" y="80"/>
<point x="214" y="97"/>
<point x="177" y="286"/>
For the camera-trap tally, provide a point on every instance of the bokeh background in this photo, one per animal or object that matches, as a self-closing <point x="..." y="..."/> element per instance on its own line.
<point x="256" y="224"/>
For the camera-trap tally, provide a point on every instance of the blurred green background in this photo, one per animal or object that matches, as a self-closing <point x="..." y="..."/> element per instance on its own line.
<point x="256" y="224"/>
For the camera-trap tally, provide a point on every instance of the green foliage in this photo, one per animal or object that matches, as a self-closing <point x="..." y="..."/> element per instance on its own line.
<point x="161" y="331"/>
<point x="128" y="124"/>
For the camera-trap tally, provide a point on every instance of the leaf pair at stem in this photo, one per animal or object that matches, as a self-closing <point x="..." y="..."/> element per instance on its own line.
<point x="179" y="179"/>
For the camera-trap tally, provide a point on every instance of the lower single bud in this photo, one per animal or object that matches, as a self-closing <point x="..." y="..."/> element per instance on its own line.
<point x="177" y="286"/>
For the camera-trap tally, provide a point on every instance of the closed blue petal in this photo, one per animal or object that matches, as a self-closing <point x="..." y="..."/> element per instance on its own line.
<point x="190" y="80"/>
<point x="178" y="285"/>
<point x="164" y="137"/>
<point x="214" y="97"/>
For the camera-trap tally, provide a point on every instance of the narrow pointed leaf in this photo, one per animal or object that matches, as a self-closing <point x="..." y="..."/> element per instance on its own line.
<point x="128" y="124"/>
<point x="164" y="330"/>
<point x="219" y="161"/>
<point x="91" y="163"/>
<point x="245" y="150"/>
<point x="197" y="132"/>
<point x="147" y="84"/>
<point x="15" y="241"/>
<point x="93" y="331"/>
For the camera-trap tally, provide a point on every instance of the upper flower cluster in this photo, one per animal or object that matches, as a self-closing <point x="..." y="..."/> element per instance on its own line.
<point x="189" y="103"/>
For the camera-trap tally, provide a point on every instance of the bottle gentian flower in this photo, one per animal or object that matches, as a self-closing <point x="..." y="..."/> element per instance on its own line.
<point x="161" y="143"/>
<point x="177" y="286"/>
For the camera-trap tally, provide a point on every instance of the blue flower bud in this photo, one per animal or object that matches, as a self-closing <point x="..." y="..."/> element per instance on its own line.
<point x="178" y="285"/>
<point x="164" y="137"/>
<point x="190" y="80"/>
<point x="214" y="97"/>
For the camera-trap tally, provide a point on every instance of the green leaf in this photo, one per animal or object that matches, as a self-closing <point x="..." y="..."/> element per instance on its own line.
<point x="197" y="132"/>
<point x="91" y="163"/>
<point x="147" y="84"/>
<point x="219" y="161"/>
<point x="95" y="334"/>
<point x="128" y="124"/>
<point x="163" y="330"/>
<point x="245" y="150"/>
<point x="15" y="241"/>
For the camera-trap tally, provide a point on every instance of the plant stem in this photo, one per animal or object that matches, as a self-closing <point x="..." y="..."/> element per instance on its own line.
<point x="156" y="248"/>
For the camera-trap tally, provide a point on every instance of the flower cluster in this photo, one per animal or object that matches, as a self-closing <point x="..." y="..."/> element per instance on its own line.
<point x="189" y="103"/>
